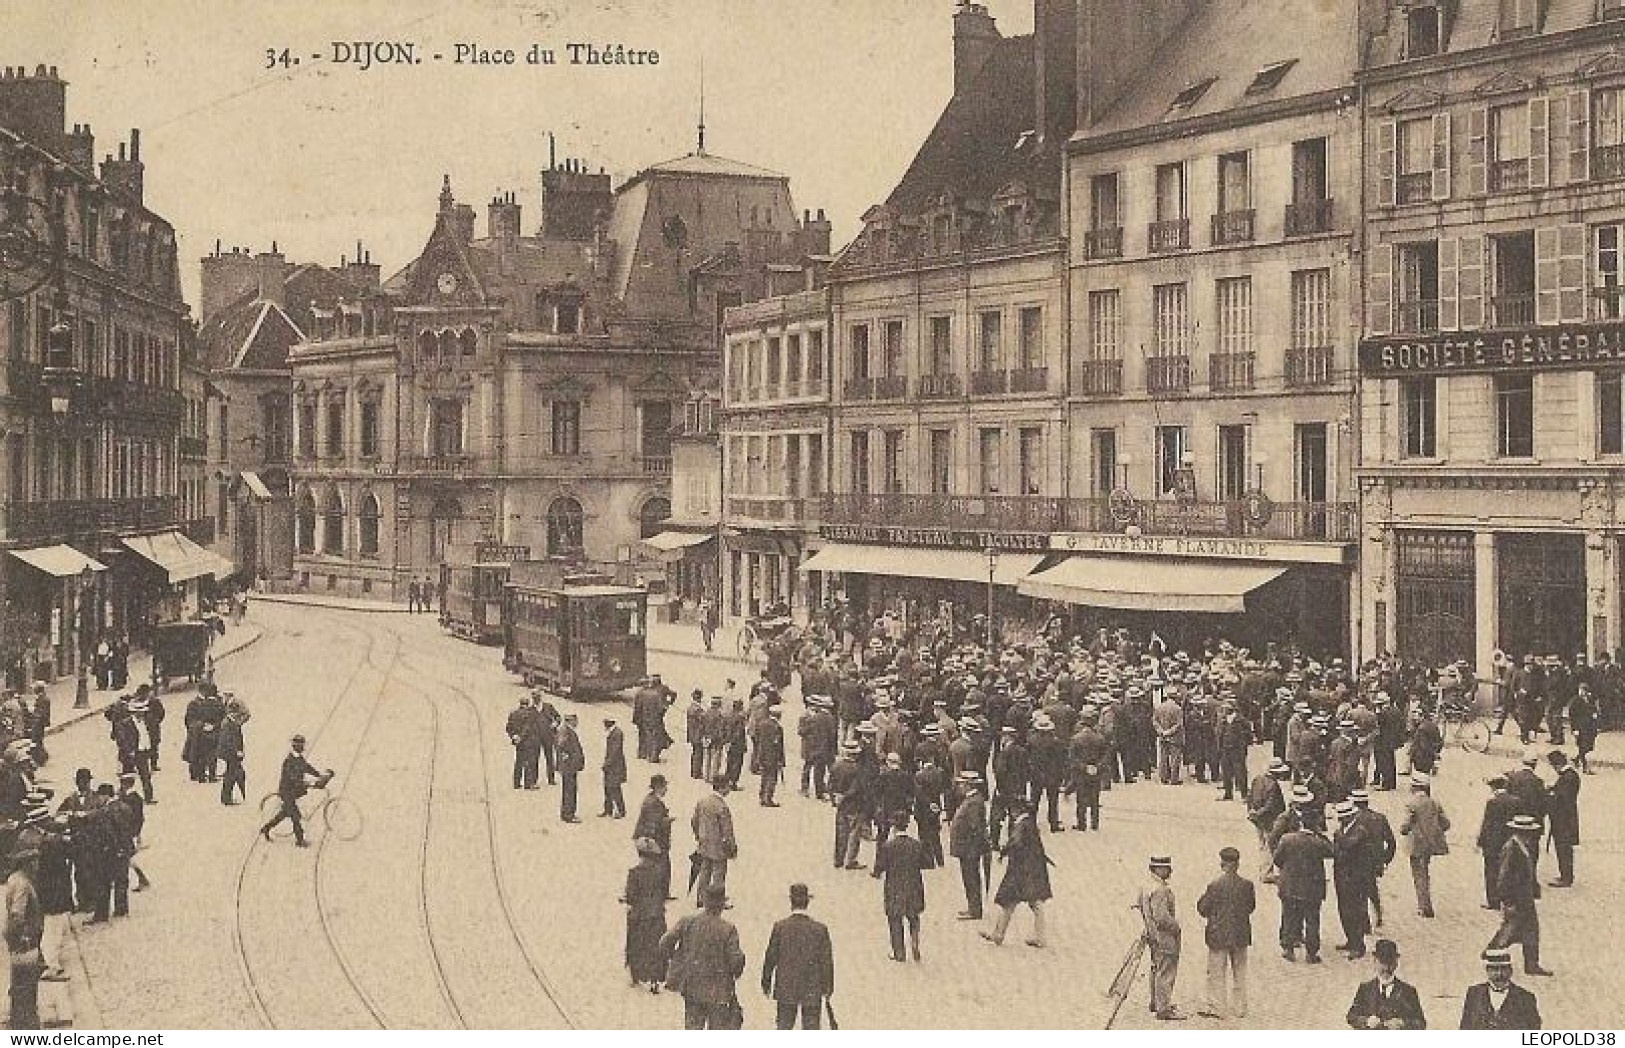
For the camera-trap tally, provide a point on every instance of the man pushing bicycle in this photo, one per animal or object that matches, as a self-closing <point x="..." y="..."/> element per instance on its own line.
<point x="298" y="776"/>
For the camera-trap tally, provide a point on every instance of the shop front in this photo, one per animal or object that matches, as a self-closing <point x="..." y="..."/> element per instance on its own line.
<point x="1191" y="590"/>
<point x="689" y="557"/>
<point x="51" y="612"/>
<point x="160" y="578"/>
<point x="761" y="569"/>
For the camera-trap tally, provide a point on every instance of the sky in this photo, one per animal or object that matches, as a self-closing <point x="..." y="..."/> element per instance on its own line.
<point x="837" y="94"/>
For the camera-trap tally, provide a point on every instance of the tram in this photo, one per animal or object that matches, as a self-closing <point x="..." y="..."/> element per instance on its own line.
<point x="575" y="634"/>
<point x="471" y="589"/>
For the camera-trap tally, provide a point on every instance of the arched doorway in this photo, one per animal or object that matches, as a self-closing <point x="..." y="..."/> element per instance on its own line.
<point x="565" y="521"/>
<point x="652" y="517"/>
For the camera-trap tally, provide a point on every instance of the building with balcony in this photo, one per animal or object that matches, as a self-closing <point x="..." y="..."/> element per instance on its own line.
<point x="1213" y="215"/>
<point x="686" y="542"/>
<point x="255" y="308"/>
<point x="775" y="447"/>
<point x="92" y="410"/>
<point x="523" y="389"/>
<point x="948" y="329"/>
<point x="1492" y="449"/>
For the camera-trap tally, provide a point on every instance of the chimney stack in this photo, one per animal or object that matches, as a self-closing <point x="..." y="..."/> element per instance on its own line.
<point x="127" y="175"/>
<point x="975" y="37"/>
<point x="1055" y="50"/>
<point x="272" y="271"/>
<point x="502" y="218"/>
<point x="35" y="107"/>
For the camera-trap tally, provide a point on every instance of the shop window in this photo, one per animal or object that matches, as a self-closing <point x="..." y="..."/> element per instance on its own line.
<point x="1515" y="416"/>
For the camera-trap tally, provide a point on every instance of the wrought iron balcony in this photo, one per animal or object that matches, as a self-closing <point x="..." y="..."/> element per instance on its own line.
<point x="1100" y="378"/>
<point x="1419" y="315"/>
<point x="1414" y="188"/>
<point x="1233" y="227"/>
<point x="1029" y="380"/>
<point x="1513" y="310"/>
<point x="1172" y="235"/>
<point x="1301" y="521"/>
<point x="1168" y="374"/>
<point x="939" y="387"/>
<point x="33" y="521"/>
<point x="1608" y="161"/>
<point x="1227" y="372"/>
<point x="1509" y="175"/>
<point x="775" y="509"/>
<point x="117" y="396"/>
<point x="890" y="387"/>
<point x="1103" y="243"/>
<point x="1308" y="217"/>
<point x="1309" y="366"/>
<point x="1030" y="513"/>
<point x="988" y="383"/>
<point x="859" y="389"/>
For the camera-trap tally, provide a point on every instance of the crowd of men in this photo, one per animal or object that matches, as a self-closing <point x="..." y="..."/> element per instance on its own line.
<point x="906" y="735"/>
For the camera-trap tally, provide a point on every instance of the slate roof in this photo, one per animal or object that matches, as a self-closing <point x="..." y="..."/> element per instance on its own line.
<point x="973" y="152"/>
<point x="706" y="164"/>
<point x="249" y="333"/>
<point x="1229" y="42"/>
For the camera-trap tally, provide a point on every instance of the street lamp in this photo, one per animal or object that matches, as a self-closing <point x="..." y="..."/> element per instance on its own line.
<point x="84" y="612"/>
<point x="992" y="566"/>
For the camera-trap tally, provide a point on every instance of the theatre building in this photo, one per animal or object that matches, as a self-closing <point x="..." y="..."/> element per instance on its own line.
<point x="1493" y="439"/>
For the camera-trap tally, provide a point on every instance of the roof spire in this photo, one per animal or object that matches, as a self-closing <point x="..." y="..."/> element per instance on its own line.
<point x="701" y="150"/>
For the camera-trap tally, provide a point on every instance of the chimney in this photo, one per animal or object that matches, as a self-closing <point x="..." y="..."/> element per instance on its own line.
<point x="1055" y="50"/>
<point x="361" y="271"/>
<point x="572" y="199"/>
<point x="272" y="271"/>
<point x="975" y="37"/>
<point x="127" y="175"/>
<point x="502" y="218"/>
<point x="462" y="222"/>
<point x="80" y="149"/>
<point x="225" y="278"/>
<point x="815" y="235"/>
<point x="35" y="107"/>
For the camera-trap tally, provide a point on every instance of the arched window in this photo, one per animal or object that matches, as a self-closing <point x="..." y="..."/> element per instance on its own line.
<point x="469" y="342"/>
<point x="333" y="523"/>
<point x="653" y="516"/>
<point x="369" y="525"/>
<point x="304" y="524"/>
<point x="443" y="518"/>
<point x="564" y="518"/>
<point x="448" y="348"/>
<point x="426" y="347"/>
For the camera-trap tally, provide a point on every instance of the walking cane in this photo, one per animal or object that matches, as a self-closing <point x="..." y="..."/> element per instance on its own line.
<point x="829" y="1011"/>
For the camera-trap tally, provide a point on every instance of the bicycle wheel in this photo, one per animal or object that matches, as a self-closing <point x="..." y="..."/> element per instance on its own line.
<point x="270" y="804"/>
<point x="342" y="818"/>
<point x="1474" y="735"/>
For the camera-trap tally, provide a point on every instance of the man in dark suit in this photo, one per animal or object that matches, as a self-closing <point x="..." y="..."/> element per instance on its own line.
<point x="614" y="769"/>
<point x="294" y="784"/>
<point x="524" y="729"/>
<point x="1517" y="888"/>
<point x="1563" y="817"/>
<point x="1386" y="1002"/>
<point x="1492" y="836"/>
<point x="706" y="959"/>
<point x="1300" y="862"/>
<point x="798" y="970"/>
<point x="1499" y="1003"/>
<point x="1228" y="905"/>
<point x="572" y="761"/>
<point x="967" y="842"/>
<point x="900" y="860"/>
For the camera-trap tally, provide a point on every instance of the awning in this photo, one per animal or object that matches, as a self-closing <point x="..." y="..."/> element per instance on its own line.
<point x="670" y="546"/>
<point x="223" y="566"/>
<point x="1150" y="583"/>
<point x="60" y="561"/>
<point x="255" y="485"/>
<point x="178" y="556"/>
<point x="953" y="565"/>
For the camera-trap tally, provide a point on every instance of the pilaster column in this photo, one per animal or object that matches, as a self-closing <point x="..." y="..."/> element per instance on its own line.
<point x="1486" y="610"/>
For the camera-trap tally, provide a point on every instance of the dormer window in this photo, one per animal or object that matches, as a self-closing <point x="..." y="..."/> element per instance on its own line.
<point x="1424" y="32"/>
<point x="1191" y="95"/>
<point x="1519" y="18"/>
<point x="1270" y="77"/>
<point x="1610" y="9"/>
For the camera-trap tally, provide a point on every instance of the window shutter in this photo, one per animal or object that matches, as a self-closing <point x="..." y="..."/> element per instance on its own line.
<point x="1557" y="128"/>
<point x="1478" y="132"/>
<point x="1539" y="141"/>
<point x="1449" y="281"/>
<point x="1579" y="136"/>
<point x="1548" y="250"/>
<point x="1441" y="156"/>
<point x="1571" y="271"/>
<point x="1470" y="258"/>
<point x="1380" y="290"/>
<point x="1387" y="161"/>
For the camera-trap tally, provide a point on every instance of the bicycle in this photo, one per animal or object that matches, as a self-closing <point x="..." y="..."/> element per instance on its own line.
<point x="1465" y="727"/>
<point x="338" y="814"/>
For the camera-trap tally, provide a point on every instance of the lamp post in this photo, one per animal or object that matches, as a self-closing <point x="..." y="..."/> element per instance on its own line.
<point x="992" y="566"/>
<point x="84" y="620"/>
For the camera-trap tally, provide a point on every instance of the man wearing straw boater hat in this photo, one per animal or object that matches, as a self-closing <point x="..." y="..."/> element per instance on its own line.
<point x="1498" y="1003"/>
<point x="1157" y="910"/>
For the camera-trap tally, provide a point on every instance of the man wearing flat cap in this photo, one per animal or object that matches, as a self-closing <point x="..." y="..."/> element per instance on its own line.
<point x="1386" y="1002"/>
<point x="798" y="970"/>
<point x="1498" y="1003"/>
<point x="1228" y="905"/>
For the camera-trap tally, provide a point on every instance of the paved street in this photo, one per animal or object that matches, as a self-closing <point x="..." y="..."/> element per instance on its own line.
<point x="465" y="902"/>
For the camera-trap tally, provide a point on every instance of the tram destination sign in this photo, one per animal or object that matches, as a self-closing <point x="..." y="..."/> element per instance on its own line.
<point x="935" y="538"/>
<point x="1557" y="347"/>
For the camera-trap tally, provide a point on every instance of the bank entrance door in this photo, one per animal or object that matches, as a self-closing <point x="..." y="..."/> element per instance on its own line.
<point x="1542" y="598"/>
<point x="1435" y="621"/>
